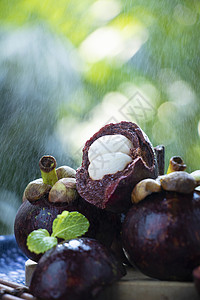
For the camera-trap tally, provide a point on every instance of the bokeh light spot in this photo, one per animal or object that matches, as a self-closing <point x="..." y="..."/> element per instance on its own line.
<point x="105" y="10"/>
<point x="163" y="133"/>
<point x="181" y="93"/>
<point x="112" y="43"/>
<point x="166" y="112"/>
<point x="184" y="15"/>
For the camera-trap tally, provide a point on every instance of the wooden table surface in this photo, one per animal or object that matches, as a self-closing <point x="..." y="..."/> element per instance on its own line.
<point x="133" y="286"/>
<point x="136" y="286"/>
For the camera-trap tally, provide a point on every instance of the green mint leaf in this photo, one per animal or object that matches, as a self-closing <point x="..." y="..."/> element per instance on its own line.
<point x="39" y="241"/>
<point x="70" y="225"/>
<point x="56" y="223"/>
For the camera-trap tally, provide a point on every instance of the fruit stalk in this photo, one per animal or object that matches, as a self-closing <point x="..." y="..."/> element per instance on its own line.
<point x="176" y="164"/>
<point x="47" y="166"/>
<point x="160" y="155"/>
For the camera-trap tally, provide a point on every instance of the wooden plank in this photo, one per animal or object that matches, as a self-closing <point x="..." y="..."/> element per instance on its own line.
<point x="150" y="291"/>
<point x="136" y="286"/>
<point x="10" y="284"/>
<point x="30" y="266"/>
<point x="12" y="291"/>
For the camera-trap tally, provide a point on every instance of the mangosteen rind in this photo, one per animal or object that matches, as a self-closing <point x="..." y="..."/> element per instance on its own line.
<point x="113" y="191"/>
<point x="161" y="235"/>
<point x="78" y="269"/>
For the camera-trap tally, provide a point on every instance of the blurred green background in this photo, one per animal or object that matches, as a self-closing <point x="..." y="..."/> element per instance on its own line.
<point x="67" y="68"/>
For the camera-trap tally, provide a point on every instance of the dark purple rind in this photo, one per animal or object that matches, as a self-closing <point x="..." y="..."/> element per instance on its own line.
<point x="161" y="235"/>
<point x="196" y="278"/>
<point x="41" y="214"/>
<point x="116" y="246"/>
<point x="77" y="270"/>
<point x="113" y="192"/>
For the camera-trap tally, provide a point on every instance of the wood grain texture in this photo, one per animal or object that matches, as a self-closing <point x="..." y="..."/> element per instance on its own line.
<point x="135" y="286"/>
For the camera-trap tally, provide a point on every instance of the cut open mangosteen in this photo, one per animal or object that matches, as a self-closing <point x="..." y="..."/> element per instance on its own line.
<point x="114" y="160"/>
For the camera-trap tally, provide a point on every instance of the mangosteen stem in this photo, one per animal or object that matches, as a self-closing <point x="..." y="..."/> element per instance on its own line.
<point x="160" y="155"/>
<point x="47" y="166"/>
<point x="176" y="164"/>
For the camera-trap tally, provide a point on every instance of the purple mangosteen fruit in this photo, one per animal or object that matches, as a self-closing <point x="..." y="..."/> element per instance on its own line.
<point x="44" y="199"/>
<point x="161" y="232"/>
<point x="77" y="269"/>
<point x="114" y="160"/>
<point x="196" y="278"/>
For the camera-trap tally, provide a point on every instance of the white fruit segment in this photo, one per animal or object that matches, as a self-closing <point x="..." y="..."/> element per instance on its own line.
<point x="109" y="144"/>
<point x="108" y="163"/>
<point x="108" y="155"/>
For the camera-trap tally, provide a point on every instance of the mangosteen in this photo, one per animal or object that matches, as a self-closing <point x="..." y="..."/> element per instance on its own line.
<point x="114" y="159"/>
<point x="77" y="269"/>
<point x="45" y="198"/>
<point x="116" y="246"/>
<point x="196" y="277"/>
<point x="161" y="234"/>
